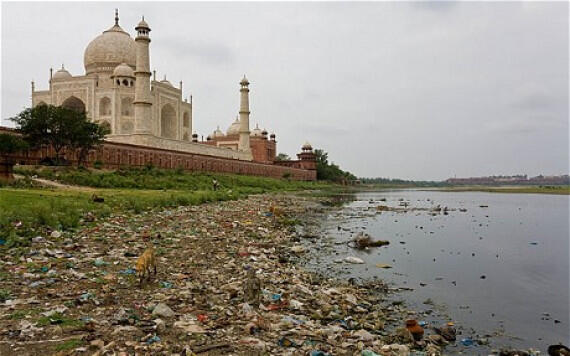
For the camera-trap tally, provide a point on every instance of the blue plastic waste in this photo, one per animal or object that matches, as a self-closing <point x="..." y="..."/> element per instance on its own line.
<point x="369" y="353"/>
<point x="319" y="353"/>
<point x="165" y="284"/>
<point x="467" y="342"/>
<point x="153" y="339"/>
<point x="128" y="271"/>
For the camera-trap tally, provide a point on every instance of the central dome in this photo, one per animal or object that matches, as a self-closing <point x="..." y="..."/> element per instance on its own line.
<point x="110" y="49"/>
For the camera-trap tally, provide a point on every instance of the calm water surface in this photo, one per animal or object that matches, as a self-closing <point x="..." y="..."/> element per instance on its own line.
<point x="501" y="270"/>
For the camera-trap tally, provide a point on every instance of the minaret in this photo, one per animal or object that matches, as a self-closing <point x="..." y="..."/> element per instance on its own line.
<point x="142" y="103"/>
<point x="244" y="117"/>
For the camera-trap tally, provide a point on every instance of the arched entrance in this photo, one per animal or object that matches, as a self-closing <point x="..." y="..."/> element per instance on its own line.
<point x="168" y="122"/>
<point x="74" y="103"/>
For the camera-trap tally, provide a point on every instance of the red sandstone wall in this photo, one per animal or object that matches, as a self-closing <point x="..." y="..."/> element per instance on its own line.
<point x="115" y="155"/>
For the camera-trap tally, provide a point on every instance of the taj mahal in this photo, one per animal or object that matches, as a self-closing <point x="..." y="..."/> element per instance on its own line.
<point x="119" y="90"/>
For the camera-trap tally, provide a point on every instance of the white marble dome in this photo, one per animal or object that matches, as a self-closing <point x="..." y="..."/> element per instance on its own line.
<point x="108" y="50"/>
<point x="123" y="70"/>
<point x="234" y="128"/>
<point x="61" y="74"/>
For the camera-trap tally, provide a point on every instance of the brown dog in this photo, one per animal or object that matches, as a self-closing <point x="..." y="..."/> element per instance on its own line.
<point x="145" y="262"/>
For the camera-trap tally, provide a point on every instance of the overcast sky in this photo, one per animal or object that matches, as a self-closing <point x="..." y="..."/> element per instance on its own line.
<point x="408" y="90"/>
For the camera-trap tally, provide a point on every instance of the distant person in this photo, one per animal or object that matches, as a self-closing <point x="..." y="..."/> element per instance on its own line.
<point x="215" y="184"/>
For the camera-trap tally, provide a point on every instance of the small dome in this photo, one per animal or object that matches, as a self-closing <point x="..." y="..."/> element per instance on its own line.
<point x="234" y="128"/>
<point x="62" y="74"/>
<point x="142" y="24"/>
<point x="307" y="147"/>
<point x="256" y="132"/>
<point x="109" y="49"/>
<point x="123" y="70"/>
<point x="217" y="133"/>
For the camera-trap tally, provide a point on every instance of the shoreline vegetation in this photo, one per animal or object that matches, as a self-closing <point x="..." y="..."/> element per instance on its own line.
<point x="519" y="189"/>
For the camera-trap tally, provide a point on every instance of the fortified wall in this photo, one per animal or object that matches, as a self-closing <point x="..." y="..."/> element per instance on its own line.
<point x="113" y="155"/>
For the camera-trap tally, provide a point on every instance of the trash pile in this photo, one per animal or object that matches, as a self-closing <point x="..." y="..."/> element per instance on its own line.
<point x="227" y="282"/>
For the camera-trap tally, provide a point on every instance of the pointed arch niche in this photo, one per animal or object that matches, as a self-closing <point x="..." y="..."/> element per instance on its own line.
<point x="168" y="121"/>
<point x="74" y="103"/>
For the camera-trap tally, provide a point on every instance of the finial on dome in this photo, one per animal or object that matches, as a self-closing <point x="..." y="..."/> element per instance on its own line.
<point x="62" y="66"/>
<point x="116" y="17"/>
<point x="244" y="81"/>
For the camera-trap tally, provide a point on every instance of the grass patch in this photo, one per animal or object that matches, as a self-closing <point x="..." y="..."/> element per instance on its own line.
<point x="69" y="345"/>
<point x="5" y="294"/>
<point x="58" y="319"/>
<point x="160" y="179"/>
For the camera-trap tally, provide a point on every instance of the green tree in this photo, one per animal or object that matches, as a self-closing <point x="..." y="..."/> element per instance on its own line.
<point x="59" y="127"/>
<point x="87" y="136"/>
<point x="330" y="171"/>
<point x="11" y="144"/>
<point x="282" y="157"/>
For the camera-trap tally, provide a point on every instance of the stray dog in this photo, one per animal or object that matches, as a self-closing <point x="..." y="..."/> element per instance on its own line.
<point x="275" y="211"/>
<point x="145" y="262"/>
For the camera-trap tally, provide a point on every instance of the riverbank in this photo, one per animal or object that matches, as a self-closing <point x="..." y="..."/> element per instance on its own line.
<point x="76" y="292"/>
<point x="518" y="189"/>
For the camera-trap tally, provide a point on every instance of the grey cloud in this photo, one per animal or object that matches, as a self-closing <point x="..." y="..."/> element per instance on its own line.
<point x="418" y="82"/>
<point x="206" y="53"/>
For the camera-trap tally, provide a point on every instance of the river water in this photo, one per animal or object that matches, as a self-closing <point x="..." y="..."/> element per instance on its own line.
<point x="498" y="268"/>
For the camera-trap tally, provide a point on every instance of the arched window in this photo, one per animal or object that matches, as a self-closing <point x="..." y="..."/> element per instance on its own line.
<point x="105" y="107"/>
<point x="118" y="82"/>
<point x="74" y="103"/>
<point x="168" y="122"/>
<point x="186" y="120"/>
<point x="132" y="83"/>
<point x="125" y="82"/>
<point x="127" y="106"/>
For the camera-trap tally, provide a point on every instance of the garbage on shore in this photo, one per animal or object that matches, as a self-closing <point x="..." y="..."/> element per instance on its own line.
<point x="227" y="283"/>
<point x="362" y="240"/>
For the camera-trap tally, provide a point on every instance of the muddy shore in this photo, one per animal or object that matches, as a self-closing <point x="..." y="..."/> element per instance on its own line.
<point x="76" y="293"/>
